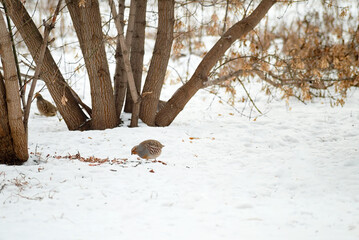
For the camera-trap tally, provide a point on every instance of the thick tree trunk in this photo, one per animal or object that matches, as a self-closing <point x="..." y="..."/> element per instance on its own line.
<point x="137" y="49"/>
<point x="87" y="23"/>
<point x="175" y="105"/>
<point x="120" y="81"/>
<point x="17" y="129"/>
<point x="127" y="66"/>
<point x="7" y="152"/>
<point x="58" y="88"/>
<point x="161" y="54"/>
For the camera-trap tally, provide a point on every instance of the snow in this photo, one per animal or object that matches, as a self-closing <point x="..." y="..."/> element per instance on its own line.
<point x="292" y="174"/>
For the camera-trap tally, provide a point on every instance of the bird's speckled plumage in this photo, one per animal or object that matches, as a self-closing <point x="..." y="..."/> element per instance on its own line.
<point x="149" y="149"/>
<point x="45" y="107"/>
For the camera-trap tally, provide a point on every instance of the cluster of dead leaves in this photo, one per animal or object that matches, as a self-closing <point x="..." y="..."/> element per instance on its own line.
<point x="96" y="161"/>
<point x="92" y="160"/>
<point x="310" y="58"/>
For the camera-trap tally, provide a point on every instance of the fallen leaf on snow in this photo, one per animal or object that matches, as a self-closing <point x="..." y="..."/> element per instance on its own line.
<point x="194" y="138"/>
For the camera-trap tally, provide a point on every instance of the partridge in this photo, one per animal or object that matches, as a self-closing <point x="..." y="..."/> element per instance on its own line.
<point x="45" y="107"/>
<point x="149" y="149"/>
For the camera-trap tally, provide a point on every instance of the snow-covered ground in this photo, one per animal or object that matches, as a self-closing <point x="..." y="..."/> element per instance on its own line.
<point x="291" y="174"/>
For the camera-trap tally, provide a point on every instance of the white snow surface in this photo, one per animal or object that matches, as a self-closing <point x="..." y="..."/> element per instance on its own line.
<point x="291" y="174"/>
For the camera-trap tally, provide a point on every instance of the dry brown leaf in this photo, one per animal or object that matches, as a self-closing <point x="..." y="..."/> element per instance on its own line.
<point x="193" y="138"/>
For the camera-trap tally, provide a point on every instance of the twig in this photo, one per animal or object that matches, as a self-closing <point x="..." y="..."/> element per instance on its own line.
<point x="246" y="9"/>
<point x="178" y="74"/>
<point x="21" y="74"/>
<point x="225" y="78"/>
<point x="225" y="18"/>
<point x="230" y="105"/>
<point x="39" y="198"/>
<point x="249" y="96"/>
<point x="2" y="187"/>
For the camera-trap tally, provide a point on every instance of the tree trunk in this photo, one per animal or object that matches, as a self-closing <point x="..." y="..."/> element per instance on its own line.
<point x="180" y="98"/>
<point x="137" y="49"/>
<point x="87" y="22"/>
<point x="58" y="88"/>
<point x="161" y="54"/>
<point x="17" y="129"/>
<point x="7" y="152"/>
<point x="120" y="82"/>
<point x="127" y="66"/>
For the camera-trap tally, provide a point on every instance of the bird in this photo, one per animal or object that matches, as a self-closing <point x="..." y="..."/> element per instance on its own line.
<point x="148" y="149"/>
<point x="45" y="107"/>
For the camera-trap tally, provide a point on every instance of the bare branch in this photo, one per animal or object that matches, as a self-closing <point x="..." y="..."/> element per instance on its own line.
<point x="249" y="96"/>
<point x="224" y="78"/>
<point x="225" y="18"/>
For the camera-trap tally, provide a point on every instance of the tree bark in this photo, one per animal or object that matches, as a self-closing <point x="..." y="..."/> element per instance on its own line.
<point x="180" y="98"/>
<point x="127" y="66"/>
<point x="161" y="54"/>
<point x="137" y="49"/>
<point x="120" y="81"/>
<point x="7" y="152"/>
<point x="87" y="23"/>
<point x="13" y="102"/>
<point x="58" y="88"/>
